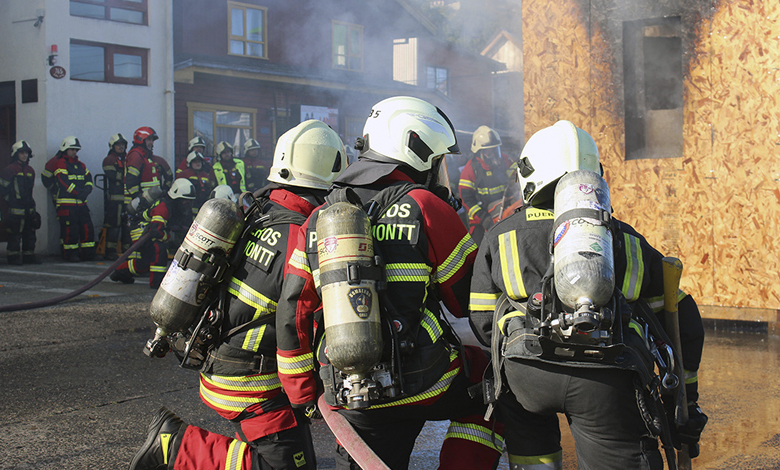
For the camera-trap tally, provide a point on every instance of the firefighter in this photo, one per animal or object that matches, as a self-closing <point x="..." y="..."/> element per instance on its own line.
<point x="201" y="178"/>
<point x="16" y="187"/>
<point x="483" y="180"/>
<point x="73" y="185"/>
<point x="114" y="169"/>
<point x="164" y="172"/>
<point x="152" y="257"/>
<point x="256" y="172"/>
<point x="140" y="170"/>
<point x="606" y="401"/>
<point x="427" y="254"/>
<point x="239" y="379"/>
<point x="228" y="170"/>
<point x="196" y="144"/>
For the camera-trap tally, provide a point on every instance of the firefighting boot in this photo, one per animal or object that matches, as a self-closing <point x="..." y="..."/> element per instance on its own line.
<point x="123" y="275"/>
<point x="162" y="443"/>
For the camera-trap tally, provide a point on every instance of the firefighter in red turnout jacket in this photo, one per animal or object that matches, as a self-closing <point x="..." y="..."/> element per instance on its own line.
<point x="73" y="183"/>
<point x="141" y="172"/>
<point x="156" y="219"/>
<point x="239" y="378"/>
<point x="427" y="255"/>
<point x="114" y="169"/>
<point x="565" y="365"/>
<point x="16" y="187"/>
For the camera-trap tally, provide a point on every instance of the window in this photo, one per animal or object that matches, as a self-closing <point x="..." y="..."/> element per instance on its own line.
<point x="347" y="46"/>
<point x="437" y="79"/>
<point x="125" y="11"/>
<point x="653" y="87"/>
<point x="247" y="31"/>
<point x="215" y="123"/>
<point x="98" y="62"/>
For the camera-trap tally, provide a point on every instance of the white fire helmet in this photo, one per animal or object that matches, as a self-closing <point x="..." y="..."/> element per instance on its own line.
<point x="117" y="138"/>
<point x="182" y="188"/>
<point x="196" y="142"/>
<point x="310" y="155"/>
<point x="223" y="191"/>
<point x="21" y="146"/>
<point x="192" y="156"/>
<point x="70" y="142"/>
<point x="251" y="144"/>
<point x="484" y="138"/>
<point x="551" y="153"/>
<point x="221" y="147"/>
<point x="408" y="130"/>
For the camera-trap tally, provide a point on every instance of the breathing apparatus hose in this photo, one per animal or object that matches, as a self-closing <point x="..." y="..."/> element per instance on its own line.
<point x="90" y="285"/>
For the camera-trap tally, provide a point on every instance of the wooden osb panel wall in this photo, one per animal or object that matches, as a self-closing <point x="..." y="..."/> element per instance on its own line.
<point x="717" y="207"/>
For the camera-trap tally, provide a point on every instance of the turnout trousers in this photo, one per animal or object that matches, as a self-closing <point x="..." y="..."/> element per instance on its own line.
<point x="290" y="449"/>
<point x="76" y="231"/>
<point x="471" y="442"/>
<point x="600" y="405"/>
<point x="21" y="236"/>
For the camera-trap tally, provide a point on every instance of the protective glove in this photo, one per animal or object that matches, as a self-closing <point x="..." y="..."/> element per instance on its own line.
<point x="690" y="432"/>
<point x="309" y="409"/>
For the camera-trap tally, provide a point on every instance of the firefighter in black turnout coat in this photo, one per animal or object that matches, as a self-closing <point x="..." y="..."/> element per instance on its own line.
<point x="597" y="394"/>
<point x="239" y="377"/>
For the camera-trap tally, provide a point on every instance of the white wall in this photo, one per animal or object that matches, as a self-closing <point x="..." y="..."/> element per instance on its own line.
<point x="89" y="110"/>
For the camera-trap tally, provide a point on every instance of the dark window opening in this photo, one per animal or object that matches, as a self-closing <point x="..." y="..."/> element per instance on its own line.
<point x="653" y="86"/>
<point x="30" y="91"/>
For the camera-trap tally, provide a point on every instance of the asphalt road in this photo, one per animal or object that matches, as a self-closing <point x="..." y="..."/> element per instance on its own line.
<point x="76" y="392"/>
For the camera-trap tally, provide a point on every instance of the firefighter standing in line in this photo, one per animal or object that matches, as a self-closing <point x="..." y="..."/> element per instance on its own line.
<point x="16" y="187"/>
<point x="164" y="172"/>
<point x="73" y="185"/>
<point x="483" y="180"/>
<point x="196" y="144"/>
<point x="229" y="171"/>
<point x="156" y="220"/>
<point x="427" y="260"/>
<point x="256" y="172"/>
<point x="201" y="178"/>
<point x="598" y="398"/>
<point x="114" y="169"/>
<point x="140" y="169"/>
<point x="239" y="379"/>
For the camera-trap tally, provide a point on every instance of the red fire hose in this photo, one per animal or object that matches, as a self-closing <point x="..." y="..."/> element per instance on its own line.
<point x="90" y="285"/>
<point x="349" y="438"/>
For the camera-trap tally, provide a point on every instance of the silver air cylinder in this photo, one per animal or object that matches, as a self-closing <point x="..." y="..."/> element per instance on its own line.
<point x="196" y="266"/>
<point x="349" y="301"/>
<point x="584" y="264"/>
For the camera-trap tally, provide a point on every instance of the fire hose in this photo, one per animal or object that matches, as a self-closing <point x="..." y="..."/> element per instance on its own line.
<point x="349" y="438"/>
<point x="45" y="303"/>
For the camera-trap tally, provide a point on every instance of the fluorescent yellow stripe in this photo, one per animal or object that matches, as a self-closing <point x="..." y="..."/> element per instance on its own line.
<point x="466" y="183"/>
<point x="299" y="260"/>
<point x="549" y="460"/>
<point x="475" y="433"/>
<point x="295" y="365"/>
<point x="455" y="260"/>
<point x="235" y="455"/>
<point x="510" y="265"/>
<point x="479" y="302"/>
<point x="436" y="389"/>
<point x="253" y="383"/>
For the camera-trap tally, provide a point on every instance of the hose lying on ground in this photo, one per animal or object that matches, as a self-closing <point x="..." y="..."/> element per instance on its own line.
<point x="90" y="285"/>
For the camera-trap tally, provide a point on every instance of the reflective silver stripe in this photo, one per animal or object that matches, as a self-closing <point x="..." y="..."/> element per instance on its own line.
<point x="436" y="389"/>
<point x="234" y="459"/>
<point x="431" y="325"/>
<point x="262" y="304"/>
<point x="295" y="365"/>
<point x="408" y="272"/>
<point x="475" y="433"/>
<point x="299" y="260"/>
<point x="227" y="402"/>
<point x="455" y="260"/>
<point x="510" y="265"/>
<point x="483" y="302"/>
<point x="259" y="383"/>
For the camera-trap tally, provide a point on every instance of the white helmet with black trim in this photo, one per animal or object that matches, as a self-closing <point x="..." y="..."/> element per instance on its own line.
<point x="407" y="130"/>
<point x="197" y="141"/>
<point x="117" y="138"/>
<point x="223" y="191"/>
<point x="251" y="144"/>
<point x="310" y="155"/>
<point x="484" y="138"/>
<point x="221" y="147"/>
<point x="182" y="188"/>
<point x="70" y="142"/>
<point x="21" y="146"/>
<point x="192" y="156"/>
<point x="551" y="153"/>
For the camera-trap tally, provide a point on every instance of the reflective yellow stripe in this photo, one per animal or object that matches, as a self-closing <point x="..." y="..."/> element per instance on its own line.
<point x="71" y="188"/>
<point x="475" y="433"/>
<point x="510" y="265"/>
<point x="234" y="459"/>
<point x="408" y="272"/>
<point x="691" y="376"/>
<point x="503" y="320"/>
<point x="479" y="302"/>
<point x="635" y="269"/>
<point x="491" y="191"/>
<point x="64" y="200"/>
<point x="455" y="260"/>
<point x="133" y="171"/>
<point x="254" y="336"/>
<point x="552" y="461"/>
<point x="159" y="219"/>
<point x="431" y="325"/>
<point x="249" y="383"/>
<point x="262" y="304"/>
<point x="636" y="327"/>
<point x="295" y="365"/>
<point x="466" y="183"/>
<point x="227" y="402"/>
<point x="436" y="389"/>
<point x="474" y="209"/>
<point x="158" y="269"/>
<point x="299" y="260"/>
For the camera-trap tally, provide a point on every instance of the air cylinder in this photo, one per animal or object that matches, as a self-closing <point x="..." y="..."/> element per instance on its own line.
<point x="349" y="299"/>
<point x="584" y="262"/>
